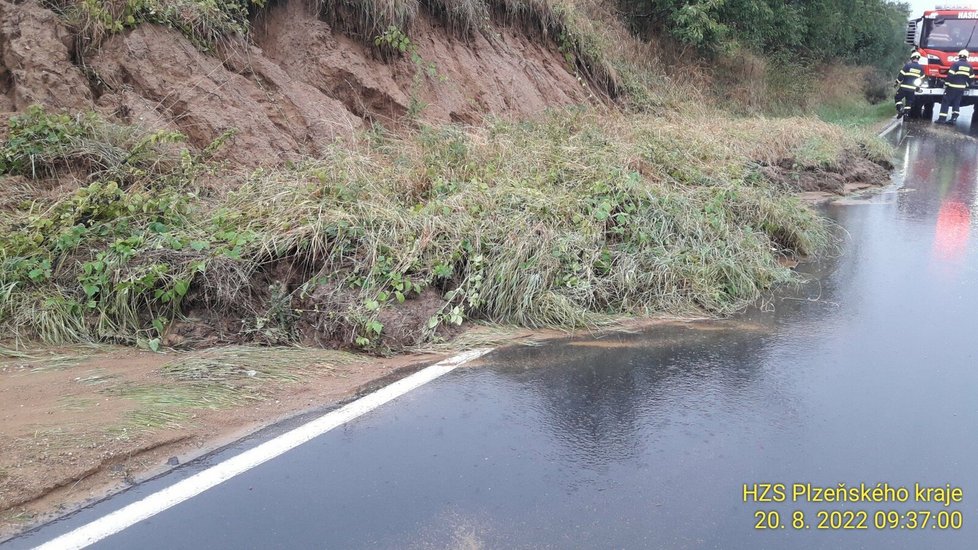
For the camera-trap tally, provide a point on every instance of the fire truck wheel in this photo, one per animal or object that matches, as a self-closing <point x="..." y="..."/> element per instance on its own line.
<point x="928" y="110"/>
<point x="916" y="110"/>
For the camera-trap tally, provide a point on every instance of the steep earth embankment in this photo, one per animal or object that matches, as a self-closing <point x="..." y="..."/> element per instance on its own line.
<point x="294" y="88"/>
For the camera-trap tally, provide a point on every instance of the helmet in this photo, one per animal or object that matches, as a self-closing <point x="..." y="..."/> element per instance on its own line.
<point x="915" y="55"/>
<point x="964" y="53"/>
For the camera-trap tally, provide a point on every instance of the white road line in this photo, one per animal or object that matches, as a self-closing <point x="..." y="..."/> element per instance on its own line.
<point x="198" y="483"/>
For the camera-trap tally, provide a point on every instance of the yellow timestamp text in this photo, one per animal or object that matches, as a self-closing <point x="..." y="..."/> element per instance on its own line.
<point x="855" y="520"/>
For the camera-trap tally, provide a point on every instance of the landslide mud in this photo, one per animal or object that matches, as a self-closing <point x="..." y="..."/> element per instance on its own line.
<point x="851" y="171"/>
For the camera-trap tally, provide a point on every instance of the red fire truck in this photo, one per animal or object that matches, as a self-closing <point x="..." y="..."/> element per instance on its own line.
<point x="939" y="35"/>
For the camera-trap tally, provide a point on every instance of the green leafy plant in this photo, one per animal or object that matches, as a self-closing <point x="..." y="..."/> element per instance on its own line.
<point x="394" y="41"/>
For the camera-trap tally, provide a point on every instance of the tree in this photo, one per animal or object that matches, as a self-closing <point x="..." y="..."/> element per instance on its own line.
<point x="860" y="31"/>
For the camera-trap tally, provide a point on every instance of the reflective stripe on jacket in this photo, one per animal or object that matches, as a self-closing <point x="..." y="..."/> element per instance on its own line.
<point x="909" y="75"/>
<point x="960" y="75"/>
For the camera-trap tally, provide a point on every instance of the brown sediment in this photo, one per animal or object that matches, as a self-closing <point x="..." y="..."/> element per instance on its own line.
<point x="850" y="173"/>
<point x="66" y="438"/>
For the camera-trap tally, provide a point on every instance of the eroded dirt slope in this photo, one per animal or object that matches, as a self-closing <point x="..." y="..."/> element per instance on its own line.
<point x="296" y="87"/>
<point x="36" y="53"/>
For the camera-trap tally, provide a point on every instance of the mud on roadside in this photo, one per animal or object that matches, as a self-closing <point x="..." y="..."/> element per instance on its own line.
<point x="851" y="172"/>
<point x="80" y="423"/>
<point x="85" y="422"/>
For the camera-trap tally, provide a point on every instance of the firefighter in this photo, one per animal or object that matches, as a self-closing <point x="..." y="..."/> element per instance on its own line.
<point x="908" y="83"/>
<point x="958" y="79"/>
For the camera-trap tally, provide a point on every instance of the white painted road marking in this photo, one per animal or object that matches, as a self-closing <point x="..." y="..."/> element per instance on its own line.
<point x="198" y="483"/>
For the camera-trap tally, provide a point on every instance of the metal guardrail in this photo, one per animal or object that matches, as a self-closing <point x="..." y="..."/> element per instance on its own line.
<point x="892" y="126"/>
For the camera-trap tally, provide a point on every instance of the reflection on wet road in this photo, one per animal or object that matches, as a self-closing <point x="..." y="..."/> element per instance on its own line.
<point x="867" y="374"/>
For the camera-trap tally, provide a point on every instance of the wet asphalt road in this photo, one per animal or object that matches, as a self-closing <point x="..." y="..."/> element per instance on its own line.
<point x="867" y="374"/>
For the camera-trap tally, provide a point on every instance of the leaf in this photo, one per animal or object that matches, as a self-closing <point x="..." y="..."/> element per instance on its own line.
<point x="181" y="287"/>
<point x="372" y="305"/>
<point x="375" y="326"/>
<point x="400" y="297"/>
<point x="90" y="290"/>
<point x="154" y="344"/>
<point x="199" y="245"/>
<point x="433" y="322"/>
<point x="158" y="325"/>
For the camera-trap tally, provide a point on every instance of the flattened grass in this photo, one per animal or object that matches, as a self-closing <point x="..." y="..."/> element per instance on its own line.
<point x="220" y="378"/>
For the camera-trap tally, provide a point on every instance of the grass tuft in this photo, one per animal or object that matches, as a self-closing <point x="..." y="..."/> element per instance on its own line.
<point x="462" y="17"/>
<point x="243" y="364"/>
<point x="367" y="19"/>
<point x="204" y="22"/>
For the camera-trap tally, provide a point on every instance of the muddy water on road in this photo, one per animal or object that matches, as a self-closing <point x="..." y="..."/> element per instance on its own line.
<point x="867" y="374"/>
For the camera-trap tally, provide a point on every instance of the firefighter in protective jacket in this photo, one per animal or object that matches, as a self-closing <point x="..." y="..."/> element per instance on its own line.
<point x="908" y="83"/>
<point x="958" y="79"/>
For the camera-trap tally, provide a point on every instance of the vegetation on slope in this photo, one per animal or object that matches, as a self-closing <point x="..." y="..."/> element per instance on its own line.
<point x="607" y="215"/>
<point x="204" y="22"/>
<point x="389" y="241"/>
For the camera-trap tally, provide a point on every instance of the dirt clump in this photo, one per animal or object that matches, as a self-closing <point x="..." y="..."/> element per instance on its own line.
<point x="37" y="56"/>
<point x="322" y="323"/>
<point x="850" y="171"/>
<point x="156" y="74"/>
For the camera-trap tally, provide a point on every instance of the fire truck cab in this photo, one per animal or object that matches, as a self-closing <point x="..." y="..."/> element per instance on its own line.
<point x="938" y="36"/>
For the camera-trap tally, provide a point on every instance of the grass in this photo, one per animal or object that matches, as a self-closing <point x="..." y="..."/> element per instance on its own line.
<point x="611" y="214"/>
<point x="555" y="238"/>
<point x="462" y="17"/>
<point x="366" y="19"/>
<point x="240" y="363"/>
<point x="55" y="360"/>
<point x="857" y="114"/>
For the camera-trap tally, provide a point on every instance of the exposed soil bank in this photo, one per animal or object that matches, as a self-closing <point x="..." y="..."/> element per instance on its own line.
<point x="297" y="86"/>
